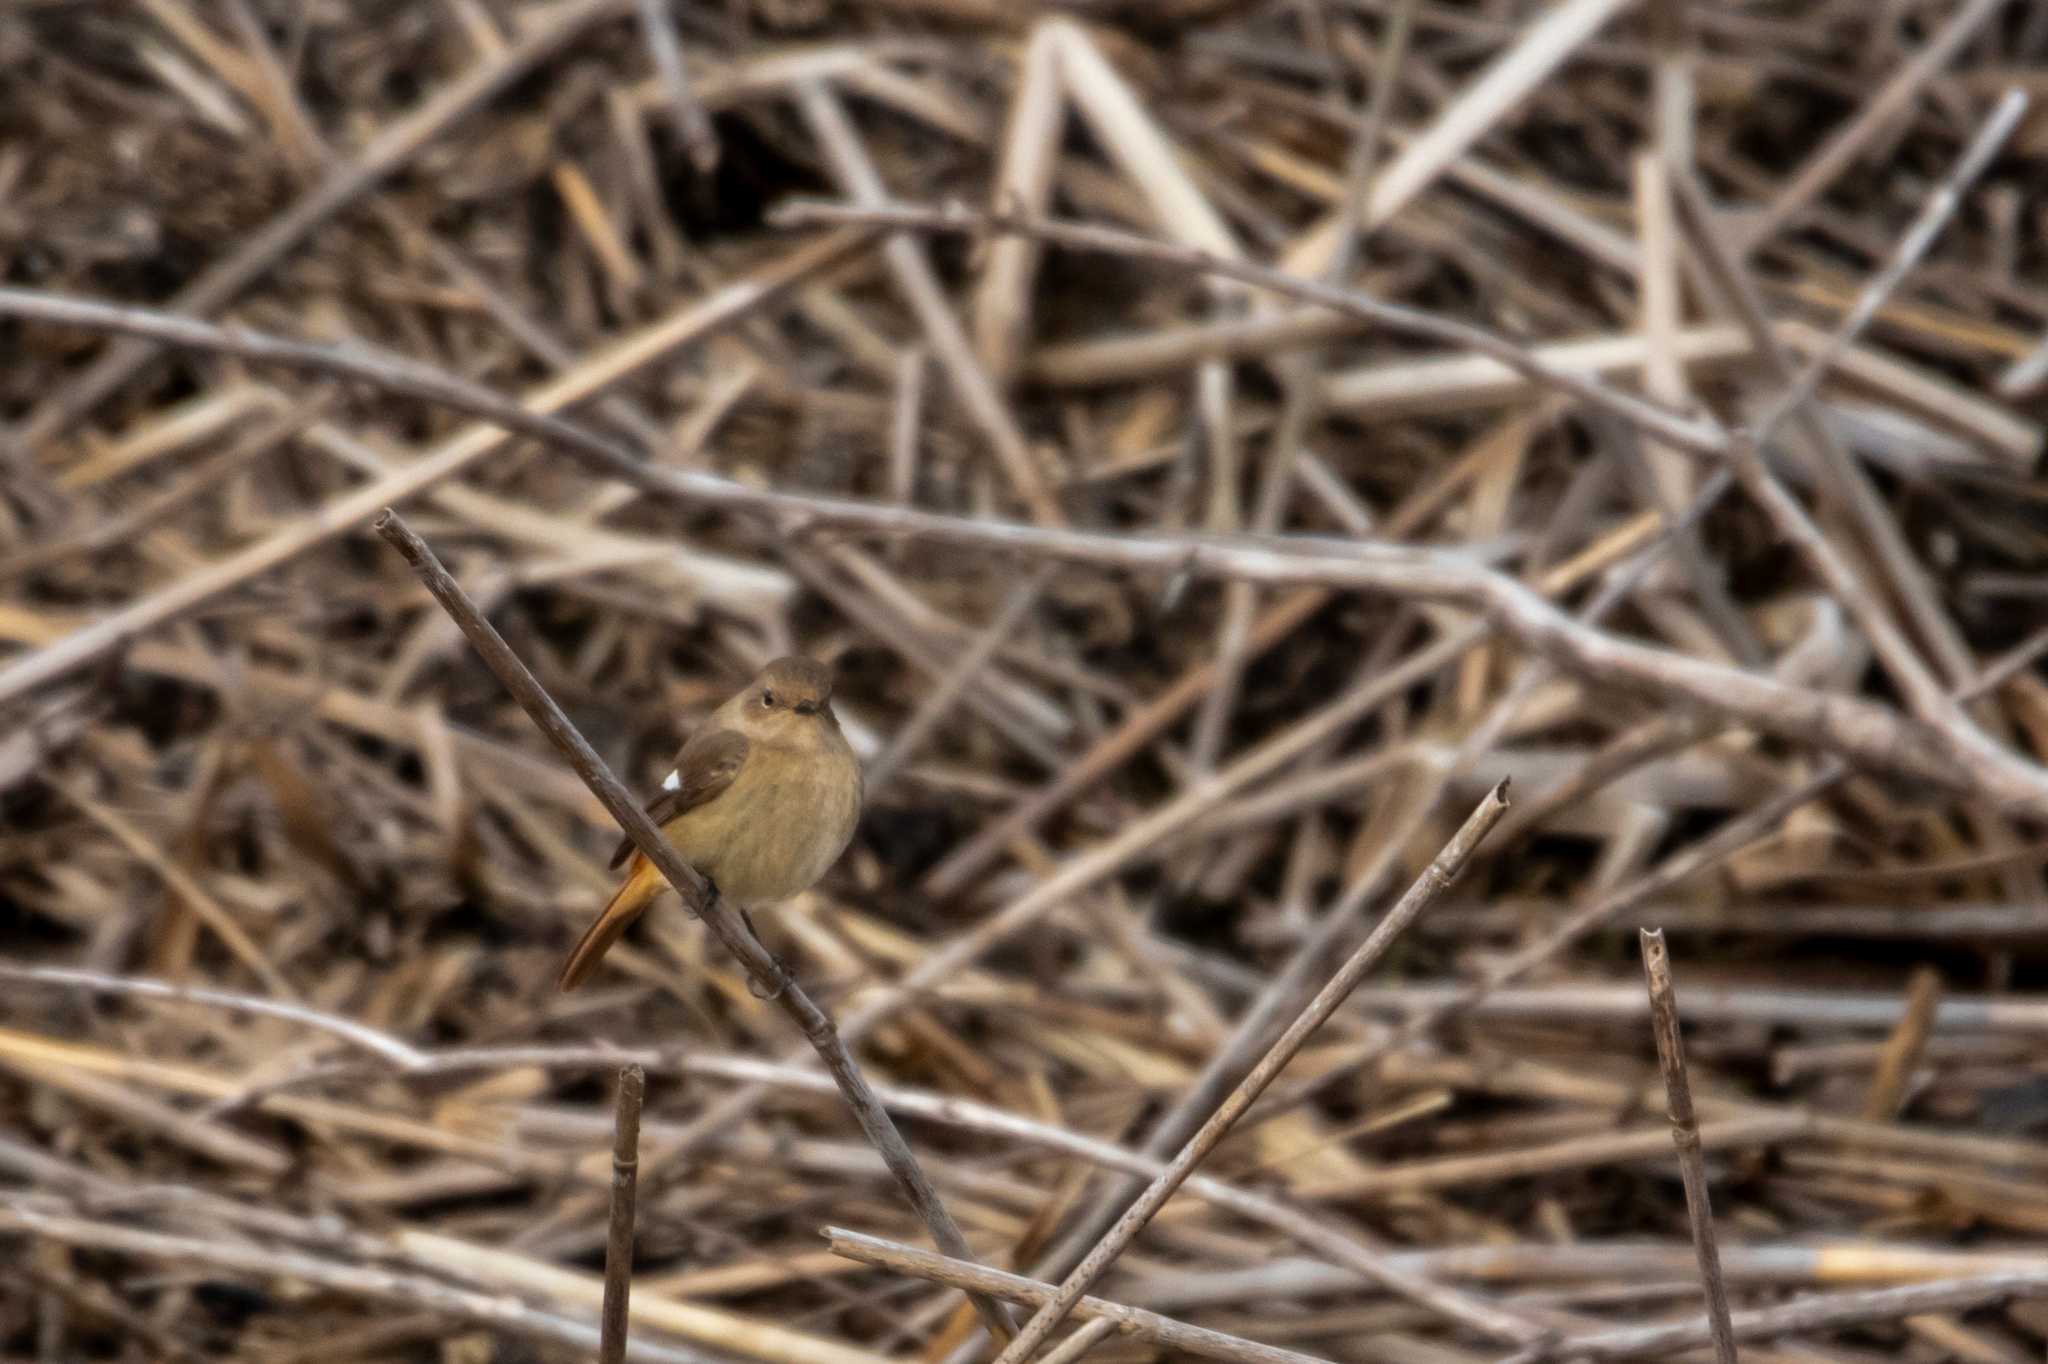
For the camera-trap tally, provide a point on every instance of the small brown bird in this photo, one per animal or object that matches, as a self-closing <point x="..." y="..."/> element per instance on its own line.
<point x="762" y="801"/>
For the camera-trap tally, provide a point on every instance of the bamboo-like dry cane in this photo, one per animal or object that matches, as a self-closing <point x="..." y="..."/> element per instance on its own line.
<point x="1685" y="1133"/>
<point x="614" y="1321"/>
<point x="768" y="973"/>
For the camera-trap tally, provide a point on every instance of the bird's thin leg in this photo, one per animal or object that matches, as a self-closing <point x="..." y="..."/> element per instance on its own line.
<point x="781" y="967"/>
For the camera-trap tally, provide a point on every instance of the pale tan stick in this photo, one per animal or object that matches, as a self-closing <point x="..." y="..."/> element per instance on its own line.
<point x="1082" y="1341"/>
<point x="1127" y="357"/>
<point x="1685" y="1132"/>
<point x="181" y="884"/>
<point x="1662" y="314"/>
<point x="1545" y="45"/>
<point x="1429" y="887"/>
<point x="1000" y="309"/>
<point x="269" y="88"/>
<point x="2025" y="374"/>
<point x="2021" y="1016"/>
<point x="356" y="1034"/>
<point x="1934" y="215"/>
<point x="1902" y="1050"/>
<point x="773" y="979"/>
<point x="692" y="122"/>
<point x="137" y="1113"/>
<point x="497" y="1310"/>
<point x="1141" y="150"/>
<point x="1390" y="390"/>
<point x="1673" y="106"/>
<point x="905" y="425"/>
<point x="1837" y="152"/>
<point x="921" y="292"/>
<point x="1575" y="1153"/>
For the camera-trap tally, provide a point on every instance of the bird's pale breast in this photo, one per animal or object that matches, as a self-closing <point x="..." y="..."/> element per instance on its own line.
<point x="779" y="827"/>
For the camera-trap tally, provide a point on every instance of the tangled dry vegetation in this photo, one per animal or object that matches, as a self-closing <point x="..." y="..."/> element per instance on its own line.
<point x="1268" y="426"/>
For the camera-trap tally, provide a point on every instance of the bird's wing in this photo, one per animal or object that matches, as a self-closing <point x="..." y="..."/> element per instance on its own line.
<point x="704" y="768"/>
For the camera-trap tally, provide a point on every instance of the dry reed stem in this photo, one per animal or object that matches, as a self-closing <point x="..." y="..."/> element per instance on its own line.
<point x="1818" y="1312"/>
<point x="614" y="1322"/>
<point x="1538" y="52"/>
<point x="1685" y="1134"/>
<point x="1848" y="142"/>
<point x="1903" y="1049"/>
<point x="699" y="136"/>
<point x="1001" y="304"/>
<point x="499" y="1311"/>
<point x="356" y="1034"/>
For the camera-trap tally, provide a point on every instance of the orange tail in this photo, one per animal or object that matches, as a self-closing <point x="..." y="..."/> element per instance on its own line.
<point x="643" y="882"/>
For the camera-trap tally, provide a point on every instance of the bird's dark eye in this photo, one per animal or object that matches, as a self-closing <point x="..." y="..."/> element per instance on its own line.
<point x="768" y="699"/>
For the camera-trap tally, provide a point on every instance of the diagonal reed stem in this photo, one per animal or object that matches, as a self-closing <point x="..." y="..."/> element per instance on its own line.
<point x="1435" y="879"/>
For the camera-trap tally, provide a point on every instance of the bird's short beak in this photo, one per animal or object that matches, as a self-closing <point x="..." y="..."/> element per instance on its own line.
<point x="806" y="708"/>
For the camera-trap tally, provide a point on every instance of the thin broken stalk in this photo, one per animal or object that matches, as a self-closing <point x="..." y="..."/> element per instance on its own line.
<point x="1428" y="887"/>
<point x="1685" y="1134"/>
<point x="768" y="974"/>
<point x="618" y="1248"/>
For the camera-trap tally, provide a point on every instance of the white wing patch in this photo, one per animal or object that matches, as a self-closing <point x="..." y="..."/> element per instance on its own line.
<point x="673" y="780"/>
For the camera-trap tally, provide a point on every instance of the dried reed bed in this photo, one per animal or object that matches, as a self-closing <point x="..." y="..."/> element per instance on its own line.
<point x="1260" y="431"/>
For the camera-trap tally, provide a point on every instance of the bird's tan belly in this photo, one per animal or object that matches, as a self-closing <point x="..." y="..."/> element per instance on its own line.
<point x="771" y="834"/>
